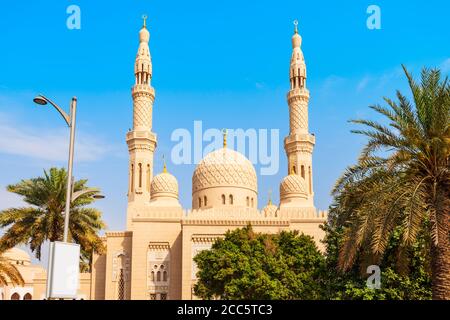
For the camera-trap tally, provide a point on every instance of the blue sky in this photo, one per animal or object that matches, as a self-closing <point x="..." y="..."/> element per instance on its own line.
<point x="223" y="62"/>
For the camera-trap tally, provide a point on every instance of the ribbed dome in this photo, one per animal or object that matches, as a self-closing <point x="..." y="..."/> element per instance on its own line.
<point x="224" y="168"/>
<point x="293" y="185"/>
<point x="16" y="254"/>
<point x="164" y="185"/>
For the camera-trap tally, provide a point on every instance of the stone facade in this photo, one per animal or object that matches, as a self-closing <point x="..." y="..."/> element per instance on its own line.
<point x="153" y="259"/>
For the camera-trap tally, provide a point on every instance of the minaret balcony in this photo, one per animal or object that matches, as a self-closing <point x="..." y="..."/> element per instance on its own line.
<point x="143" y="89"/>
<point x="298" y="93"/>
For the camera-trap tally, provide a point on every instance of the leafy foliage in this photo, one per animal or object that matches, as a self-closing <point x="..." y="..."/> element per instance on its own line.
<point x="43" y="220"/>
<point x="9" y="273"/>
<point x="404" y="275"/>
<point x="249" y="265"/>
<point x="401" y="183"/>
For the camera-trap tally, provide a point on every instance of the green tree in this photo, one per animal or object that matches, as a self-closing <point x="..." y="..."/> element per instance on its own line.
<point x="401" y="279"/>
<point x="249" y="265"/>
<point x="43" y="220"/>
<point x="402" y="180"/>
<point x="9" y="273"/>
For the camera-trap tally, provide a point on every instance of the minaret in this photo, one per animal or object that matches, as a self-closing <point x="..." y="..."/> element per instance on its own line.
<point x="299" y="143"/>
<point x="141" y="140"/>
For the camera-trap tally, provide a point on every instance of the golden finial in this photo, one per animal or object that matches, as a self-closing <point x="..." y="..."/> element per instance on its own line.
<point x="295" y="26"/>
<point x="269" y="203"/>
<point x="224" y="132"/>
<point x="144" y="17"/>
<point x="164" y="167"/>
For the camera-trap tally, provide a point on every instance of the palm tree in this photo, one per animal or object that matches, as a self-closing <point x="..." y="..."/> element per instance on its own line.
<point x="8" y="271"/>
<point x="43" y="220"/>
<point x="402" y="179"/>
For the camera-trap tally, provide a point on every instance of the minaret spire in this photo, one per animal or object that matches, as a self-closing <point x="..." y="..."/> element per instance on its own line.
<point x="295" y="26"/>
<point x="141" y="140"/>
<point x="144" y="17"/>
<point x="299" y="143"/>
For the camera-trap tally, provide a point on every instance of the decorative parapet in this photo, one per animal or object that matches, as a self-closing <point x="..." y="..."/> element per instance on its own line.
<point x="302" y="213"/>
<point x="236" y="222"/>
<point x="159" y="246"/>
<point x="118" y="234"/>
<point x="223" y="213"/>
<point x="206" y="238"/>
<point x="159" y="213"/>
<point x="244" y="216"/>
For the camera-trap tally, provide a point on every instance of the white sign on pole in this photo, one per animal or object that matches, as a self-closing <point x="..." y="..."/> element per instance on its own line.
<point x="63" y="270"/>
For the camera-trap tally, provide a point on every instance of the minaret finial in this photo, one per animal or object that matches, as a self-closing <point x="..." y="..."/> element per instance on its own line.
<point x="270" y="197"/>
<point x="144" y="17"/>
<point x="295" y="26"/>
<point x="164" y="167"/>
<point x="224" y="132"/>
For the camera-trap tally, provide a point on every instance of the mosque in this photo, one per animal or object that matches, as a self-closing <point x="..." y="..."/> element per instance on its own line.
<point x="153" y="258"/>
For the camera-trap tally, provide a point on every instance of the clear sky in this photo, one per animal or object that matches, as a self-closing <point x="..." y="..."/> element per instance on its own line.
<point x="222" y="62"/>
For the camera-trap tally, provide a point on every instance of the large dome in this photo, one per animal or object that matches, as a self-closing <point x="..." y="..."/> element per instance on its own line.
<point x="224" y="167"/>
<point x="224" y="173"/>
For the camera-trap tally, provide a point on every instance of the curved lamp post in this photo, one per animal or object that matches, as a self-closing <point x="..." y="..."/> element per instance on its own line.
<point x="70" y="121"/>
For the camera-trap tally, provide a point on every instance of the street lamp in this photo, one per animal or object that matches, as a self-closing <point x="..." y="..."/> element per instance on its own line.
<point x="70" y="121"/>
<point x="95" y="194"/>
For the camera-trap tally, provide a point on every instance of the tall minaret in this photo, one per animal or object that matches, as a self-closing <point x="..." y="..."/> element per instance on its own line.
<point x="141" y="140"/>
<point x="299" y="143"/>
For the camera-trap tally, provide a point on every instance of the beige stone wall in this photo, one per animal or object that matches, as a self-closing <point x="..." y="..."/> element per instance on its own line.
<point x="119" y="246"/>
<point x="145" y="232"/>
<point x="98" y="276"/>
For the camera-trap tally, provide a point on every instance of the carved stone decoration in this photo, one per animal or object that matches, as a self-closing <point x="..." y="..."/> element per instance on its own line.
<point x="224" y="167"/>
<point x="158" y="270"/>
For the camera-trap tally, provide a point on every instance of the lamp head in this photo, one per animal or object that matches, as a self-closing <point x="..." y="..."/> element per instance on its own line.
<point x="98" y="196"/>
<point x="40" y="100"/>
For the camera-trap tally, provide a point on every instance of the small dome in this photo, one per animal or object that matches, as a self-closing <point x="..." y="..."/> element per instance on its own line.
<point x="224" y="168"/>
<point x="270" y="210"/>
<point x="17" y="255"/>
<point x="293" y="185"/>
<point x="164" y="185"/>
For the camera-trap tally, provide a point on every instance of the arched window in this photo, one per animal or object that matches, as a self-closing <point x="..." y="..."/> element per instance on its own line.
<point x="294" y="170"/>
<point x="223" y="199"/>
<point x="158" y="276"/>
<point x="205" y="201"/>
<point x="15" y="296"/>
<point x="148" y="178"/>
<point x="231" y="199"/>
<point x="27" y="296"/>
<point x="132" y="177"/>
<point x="199" y="202"/>
<point x="303" y="171"/>
<point x="252" y="203"/>
<point x="248" y="201"/>
<point x="140" y="175"/>
<point x="165" y="276"/>
<point x="152" y="276"/>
